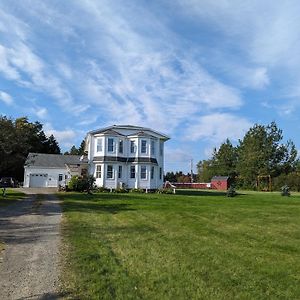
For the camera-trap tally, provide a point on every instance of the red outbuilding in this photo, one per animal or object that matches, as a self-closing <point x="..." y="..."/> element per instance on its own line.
<point x="220" y="183"/>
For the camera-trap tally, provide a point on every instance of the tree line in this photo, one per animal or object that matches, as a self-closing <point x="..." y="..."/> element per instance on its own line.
<point x="261" y="152"/>
<point x="18" y="137"/>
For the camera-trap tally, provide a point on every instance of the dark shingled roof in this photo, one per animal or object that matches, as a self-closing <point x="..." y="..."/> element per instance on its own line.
<point x="220" y="178"/>
<point x="52" y="160"/>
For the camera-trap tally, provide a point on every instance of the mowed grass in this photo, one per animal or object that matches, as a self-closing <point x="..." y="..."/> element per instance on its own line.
<point x="12" y="195"/>
<point x="192" y="245"/>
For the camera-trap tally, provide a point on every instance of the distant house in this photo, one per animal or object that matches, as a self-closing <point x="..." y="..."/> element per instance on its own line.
<point x="118" y="155"/>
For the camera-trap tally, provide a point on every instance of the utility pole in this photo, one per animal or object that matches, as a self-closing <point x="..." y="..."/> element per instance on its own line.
<point x="192" y="177"/>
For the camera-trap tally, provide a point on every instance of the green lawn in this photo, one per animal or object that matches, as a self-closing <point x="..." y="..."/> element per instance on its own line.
<point x="11" y="196"/>
<point x="192" y="245"/>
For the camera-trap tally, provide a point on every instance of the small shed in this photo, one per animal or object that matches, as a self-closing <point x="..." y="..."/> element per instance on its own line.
<point x="220" y="183"/>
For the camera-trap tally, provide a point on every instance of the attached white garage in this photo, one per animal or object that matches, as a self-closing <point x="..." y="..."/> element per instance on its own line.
<point x="51" y="170"/>
<point x="38" y="180"/>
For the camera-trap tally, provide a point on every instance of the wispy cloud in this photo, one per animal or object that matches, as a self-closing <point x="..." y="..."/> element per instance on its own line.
<point x="6" y="98"/>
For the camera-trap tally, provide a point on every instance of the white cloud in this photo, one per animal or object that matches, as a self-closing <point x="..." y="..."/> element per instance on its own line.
<point x="6" y="98"/>
<point x="64" y="137"/>
<point x="218" y="127"/>
<point x="40" y="112"/>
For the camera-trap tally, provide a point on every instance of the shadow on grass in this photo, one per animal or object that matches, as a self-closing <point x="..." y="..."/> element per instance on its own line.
<point x="81" y="206"/>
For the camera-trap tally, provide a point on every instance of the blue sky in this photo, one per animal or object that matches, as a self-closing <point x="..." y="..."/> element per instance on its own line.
<point x="197" y="70"/>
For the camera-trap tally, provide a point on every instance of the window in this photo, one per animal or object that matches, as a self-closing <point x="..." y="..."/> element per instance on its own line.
<point x="132" y="146"/>
<point x="120" y="172"/>
<point x="143" y="172"/>
<point x="99" y="145"/>
<point x="109" y="173"/>
<point x="144" y="146"/>
<point x="160" y="173"/>
<point x="121" y="146"/>
<point x="152" y="147"/>
<point x="132" y="172"/>
<point x="110" y="145"/>
<point x="152" y="172"/>
<point x="161" y="148"/>
<point x="98" y="171"/>
<point x="60" y="177"/>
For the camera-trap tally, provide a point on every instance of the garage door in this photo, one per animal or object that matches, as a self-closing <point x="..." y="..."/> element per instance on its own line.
<point x="38" y="180"/>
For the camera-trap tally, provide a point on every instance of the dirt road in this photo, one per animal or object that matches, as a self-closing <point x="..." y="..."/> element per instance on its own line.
<point x="30" y="263"/>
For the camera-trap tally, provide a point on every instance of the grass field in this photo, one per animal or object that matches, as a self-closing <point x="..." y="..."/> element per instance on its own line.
<point x="192" y="245"/>
<point x="11" y="196"/>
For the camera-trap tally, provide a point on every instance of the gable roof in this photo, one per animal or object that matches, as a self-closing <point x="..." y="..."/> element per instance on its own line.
<point x="129" y="127"/>
<point x="53" y="160"/>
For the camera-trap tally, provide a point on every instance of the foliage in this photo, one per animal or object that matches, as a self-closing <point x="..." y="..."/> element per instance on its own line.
<point x="81" y="184"/>
<point x="140" y="191"/>
<point x="165" y="191"/>
<point x="292" y="180"/>
<point x="17" y="138"/>
<point x="260" y="152"/>
<point x="76" y="151"/>
<point x="194" y="245"/>
<point x="285" y="191"/>
<point x="102" y="189"/>
<point x="121" y="190"/>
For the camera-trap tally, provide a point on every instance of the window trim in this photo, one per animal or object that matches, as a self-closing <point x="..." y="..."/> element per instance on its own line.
<point x="120" y="171"/>
<point x="108" y="145"/>
<point x="98" y="173"/>
<point x="99" y="143"/>
<point x="152" y="172"/>
<point x="145" y="147"/>
<point x="132" y="168"/>
<point x="112" y="172"/>
<point x="121" y="147"/>
<point x="132" y="146"/>
<point x="145" y="173"/>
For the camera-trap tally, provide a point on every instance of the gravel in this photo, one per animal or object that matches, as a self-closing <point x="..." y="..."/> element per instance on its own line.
<point x="30" y="263"/>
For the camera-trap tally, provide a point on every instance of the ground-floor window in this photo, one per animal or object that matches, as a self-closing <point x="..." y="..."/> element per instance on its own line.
<point x="152" y="172"/>
<point x="60" y="177"/>
<point x="160" y="173"/>
<point x="109" y="173"/>
<point x="132" y="172"/>
<point x="143" y="172"/>
<point x="120" y="172"/>
<point x="98" y="171"/>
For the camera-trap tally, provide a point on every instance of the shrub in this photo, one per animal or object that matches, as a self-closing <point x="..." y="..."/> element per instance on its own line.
<point x="102" y="189"/>
<point x="80" y="184"/>
<point x="231" y="191"/>
<point x="136" y="191"/>
<point x="285" y="191"/>
<point x="165" y="191"/>
<point x="121" y="190"/>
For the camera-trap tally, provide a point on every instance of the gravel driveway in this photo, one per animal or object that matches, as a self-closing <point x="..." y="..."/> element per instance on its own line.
<point x="29" y="265"/>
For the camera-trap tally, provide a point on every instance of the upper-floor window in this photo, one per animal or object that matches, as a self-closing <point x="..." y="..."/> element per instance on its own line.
<point x="152" y="147"/>
<point x="110" y="172"/>
<point x="120" y="172"/>
<point x="98" y="171"/>
<point x="121" y="146"/>
<point x="161" y="148"/>
<point x="143" y="172"/>
<point x="132" y="146"/>
<point x="152" y="172"/>
<point x="110" y="145"/>
<point x="144" y="146"/>
<point x="132" y="172"/>
<point x="99" y="145"/>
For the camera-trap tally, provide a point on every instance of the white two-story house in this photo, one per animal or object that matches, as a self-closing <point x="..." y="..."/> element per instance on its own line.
<point x="126" y="156"/>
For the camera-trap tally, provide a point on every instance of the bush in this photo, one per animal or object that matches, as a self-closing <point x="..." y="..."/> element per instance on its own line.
<point x="121" y="190"/>
<point x="136" y="191"/>
<point x="80" y="184"/>
<point x="165" y="191"/>
<point x="231" y="192"/>
<point x="285" y="191"/>
<point x="102" y="189"/>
